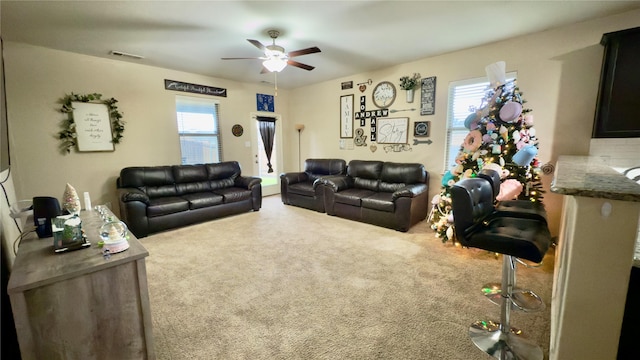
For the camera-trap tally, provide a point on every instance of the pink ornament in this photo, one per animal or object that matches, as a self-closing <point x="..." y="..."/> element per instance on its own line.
<point x="509" y="189"/>
<point x="528" y="120"/>
<point x="510" y="111"/>
<point x="473" y="141"/>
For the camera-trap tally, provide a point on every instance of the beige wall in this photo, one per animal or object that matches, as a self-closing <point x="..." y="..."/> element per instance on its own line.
<point x="38" y="77"/>
<point x="558" y="72"/>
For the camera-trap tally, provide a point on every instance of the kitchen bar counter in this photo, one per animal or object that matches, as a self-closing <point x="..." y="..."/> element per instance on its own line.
<point x="594" y="257"/>
<point x="589" y="176"/>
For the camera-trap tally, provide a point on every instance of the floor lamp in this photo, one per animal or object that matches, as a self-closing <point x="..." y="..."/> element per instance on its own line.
<point x="299" y="127"/>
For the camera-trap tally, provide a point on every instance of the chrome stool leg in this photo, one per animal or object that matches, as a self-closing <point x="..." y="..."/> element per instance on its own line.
<point x="521" y="299"/>
<point x="498" y="340"/>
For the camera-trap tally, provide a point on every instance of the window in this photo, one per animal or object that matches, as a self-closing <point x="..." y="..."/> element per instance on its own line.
<point x="464" y="97"/>
<point x="199" y="130"/>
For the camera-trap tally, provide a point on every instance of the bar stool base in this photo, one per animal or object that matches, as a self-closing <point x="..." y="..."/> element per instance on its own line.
<point x="488" y="337"/>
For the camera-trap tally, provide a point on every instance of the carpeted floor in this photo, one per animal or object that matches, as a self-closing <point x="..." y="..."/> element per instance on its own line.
<point x="290" y="283"/>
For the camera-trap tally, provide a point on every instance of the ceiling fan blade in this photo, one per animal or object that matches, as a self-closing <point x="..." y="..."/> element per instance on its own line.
<point x="257" y="44"/>
<point x="306" y="51"/>
<point x="239" y="58"/>
<point x="300" y="65"/>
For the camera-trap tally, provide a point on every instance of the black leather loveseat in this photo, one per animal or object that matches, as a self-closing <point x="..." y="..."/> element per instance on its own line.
<point x="157" y="198"/>
<point x="304" y="189"/>
<point x="392" y="195"/>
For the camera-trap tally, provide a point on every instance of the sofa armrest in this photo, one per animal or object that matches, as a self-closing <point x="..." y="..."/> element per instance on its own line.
<point x="294" y="177"/>
<point x="247" y="182"/>
<point x="409" y="191"/>
<point x="337" y="182"/>
<point x="133" y="194"/>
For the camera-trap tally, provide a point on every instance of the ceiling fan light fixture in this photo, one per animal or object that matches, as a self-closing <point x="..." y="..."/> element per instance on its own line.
<point x="275" y="64"/>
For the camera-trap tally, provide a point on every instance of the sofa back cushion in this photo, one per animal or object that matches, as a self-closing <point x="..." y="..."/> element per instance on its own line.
<point x="316" y="168"/>
<point x="155" y="181"/>
<point x="223" y="174"/>
<point x="395" y="176"/>
<point x="191" y="179"/>
<point x="365" y="174"/>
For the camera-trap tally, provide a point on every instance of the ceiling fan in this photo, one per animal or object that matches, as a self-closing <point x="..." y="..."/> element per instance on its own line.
<point x="275" y="59"/>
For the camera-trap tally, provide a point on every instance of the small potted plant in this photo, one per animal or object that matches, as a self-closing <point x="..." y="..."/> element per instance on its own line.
<point x="409" y="83"/>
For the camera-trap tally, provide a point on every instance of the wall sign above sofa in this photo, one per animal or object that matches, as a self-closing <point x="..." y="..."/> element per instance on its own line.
<point x="194" y="88"/>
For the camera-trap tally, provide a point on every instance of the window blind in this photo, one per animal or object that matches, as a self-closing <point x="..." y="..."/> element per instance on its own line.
<point x="464" y="97"/>
<point x="199" y="130"/>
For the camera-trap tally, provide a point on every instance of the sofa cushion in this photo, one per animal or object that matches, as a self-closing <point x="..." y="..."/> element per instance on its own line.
<point x="395" y="176"/>
<point x="352" y="196"/>
<point x="161" y="191"/>
<point x="166" y="205"/>
<point x="365" y="174"/>
<point x="223" y="170"/>
<point x="189" y="173"/>
<point x="233" y="194"/>
<point x="316" y="168"/>
<point x="302" y="188"/>
<point x="407" y="173"/>
<point x="202" y="200"/>
<point x="221" y="183"/>
<point x="379" y="201"/>
<point x="193" y="187"/>
<point x="139" y="177"/>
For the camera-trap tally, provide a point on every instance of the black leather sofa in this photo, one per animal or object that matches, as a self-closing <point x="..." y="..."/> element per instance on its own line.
<point x="158" y="198"/>
<point x="304" y="189"/>
<point x="392" y="195"/>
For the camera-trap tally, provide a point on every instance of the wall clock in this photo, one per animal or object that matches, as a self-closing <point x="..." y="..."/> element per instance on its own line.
<point x="384" y="94"/>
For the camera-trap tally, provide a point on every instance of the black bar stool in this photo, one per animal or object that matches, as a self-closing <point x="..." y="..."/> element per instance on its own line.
<point x="477" y="226"/>
<point x="523" y="299"/>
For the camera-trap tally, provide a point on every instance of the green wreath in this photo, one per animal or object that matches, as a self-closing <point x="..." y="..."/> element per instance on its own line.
<point x="68" y="133"/>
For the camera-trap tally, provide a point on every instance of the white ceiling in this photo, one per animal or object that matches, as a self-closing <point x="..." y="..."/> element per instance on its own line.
<point x="354" y="36"/>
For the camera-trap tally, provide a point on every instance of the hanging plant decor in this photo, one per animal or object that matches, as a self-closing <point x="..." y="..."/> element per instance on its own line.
<point x="68" y="134"/>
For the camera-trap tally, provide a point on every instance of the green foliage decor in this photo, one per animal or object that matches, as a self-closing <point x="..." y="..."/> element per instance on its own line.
<point x="408" y="83"/>
<point x="68" y="133"/>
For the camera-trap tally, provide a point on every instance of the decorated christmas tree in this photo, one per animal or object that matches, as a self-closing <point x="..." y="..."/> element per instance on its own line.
<point x="501" y="137"/>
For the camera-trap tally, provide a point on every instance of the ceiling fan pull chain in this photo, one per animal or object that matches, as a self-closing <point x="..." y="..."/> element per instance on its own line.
<point x="276" y="82"/>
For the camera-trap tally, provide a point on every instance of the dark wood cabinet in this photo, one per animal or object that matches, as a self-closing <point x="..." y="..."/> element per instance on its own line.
<point x="617" y="109"/>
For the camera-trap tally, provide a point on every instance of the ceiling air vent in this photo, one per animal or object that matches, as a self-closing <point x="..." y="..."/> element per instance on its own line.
<point x="124" y="54"/>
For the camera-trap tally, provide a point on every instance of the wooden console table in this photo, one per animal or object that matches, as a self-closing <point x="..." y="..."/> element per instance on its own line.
<point x="77" y="305"/>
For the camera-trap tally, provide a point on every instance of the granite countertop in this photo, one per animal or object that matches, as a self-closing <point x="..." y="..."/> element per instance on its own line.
<point x="589" y="176"/>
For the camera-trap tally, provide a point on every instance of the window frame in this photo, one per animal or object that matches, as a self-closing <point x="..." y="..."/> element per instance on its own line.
<point x="198" y="104"/>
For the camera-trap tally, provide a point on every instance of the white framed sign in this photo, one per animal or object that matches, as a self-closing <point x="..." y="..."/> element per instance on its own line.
<point x="393" y="130"/>
<point x="346" y="116"/>
<point x="93" y="126"/>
